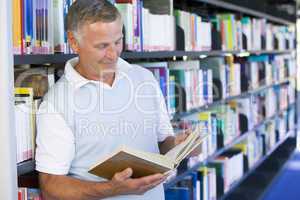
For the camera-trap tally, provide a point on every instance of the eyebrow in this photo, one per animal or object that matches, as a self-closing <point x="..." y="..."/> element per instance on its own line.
<point x="105" y="43"/>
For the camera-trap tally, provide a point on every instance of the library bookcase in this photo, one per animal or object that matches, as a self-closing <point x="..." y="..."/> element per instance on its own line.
<point x="234" y="10"/>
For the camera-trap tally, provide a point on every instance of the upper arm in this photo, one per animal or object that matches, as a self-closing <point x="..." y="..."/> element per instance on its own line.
<point x="55" y="142"/>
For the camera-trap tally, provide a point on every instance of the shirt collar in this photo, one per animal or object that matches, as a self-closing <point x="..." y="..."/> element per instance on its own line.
<point x="77" y="80"/>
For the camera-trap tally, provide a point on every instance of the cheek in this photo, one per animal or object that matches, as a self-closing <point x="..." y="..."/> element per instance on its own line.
<point x="92" y="57"/>
<point x="95" y="54"/>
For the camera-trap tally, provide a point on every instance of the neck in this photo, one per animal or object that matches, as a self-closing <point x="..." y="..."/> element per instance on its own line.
<point x="105" y="77"/>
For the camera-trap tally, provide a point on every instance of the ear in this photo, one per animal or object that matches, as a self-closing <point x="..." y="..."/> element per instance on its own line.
<point x="73" y="41"/>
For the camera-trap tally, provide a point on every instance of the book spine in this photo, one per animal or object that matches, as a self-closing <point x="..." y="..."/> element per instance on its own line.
<point x="22" y="26"/>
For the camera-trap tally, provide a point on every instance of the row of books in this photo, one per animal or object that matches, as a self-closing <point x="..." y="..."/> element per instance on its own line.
<point x="33" y="27"/>
<point x="31" y="84"/>
<point x="193" y="83"/>
<point x="29" y="194"/>
<point x="218" y="32"/>
<point x="195" y="33"/>
<point x="234" y="75"/>
<point x="209" y="181"/>
<point x="224" y="123"/>
<point x="184" y="85"/>
<point x="39" y="26"/>
<point x="34" y="30"/>
<point x="145" y="31"/>
<point x="252" y="34"/>
<point x="217" y="177"/>
<point x="266" y="103"/>
<point x="25" y="123"/>
<point x="199" y="185"/>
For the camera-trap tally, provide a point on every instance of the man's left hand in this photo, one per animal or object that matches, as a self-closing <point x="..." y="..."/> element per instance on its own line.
<point x="180" y="137"/>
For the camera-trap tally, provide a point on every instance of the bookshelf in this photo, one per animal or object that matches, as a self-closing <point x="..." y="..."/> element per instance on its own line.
<point x="246" y="175"/>
<point x="231" y="144"/>
<point x="259" y="162"/>
<point x="28" y="166"/>
<point x="223" y="101"/>
<point x="61" y="58"/>
<point x="246" y="9"/>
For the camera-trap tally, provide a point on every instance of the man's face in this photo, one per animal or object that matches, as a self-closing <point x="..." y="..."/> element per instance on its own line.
<point x="100" y="45"/>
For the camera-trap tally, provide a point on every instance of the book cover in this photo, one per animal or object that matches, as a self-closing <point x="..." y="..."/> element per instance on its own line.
<point x="146" y="163"/>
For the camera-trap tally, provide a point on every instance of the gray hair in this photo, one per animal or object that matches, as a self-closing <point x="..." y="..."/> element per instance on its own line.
<point x="90" y="11"/>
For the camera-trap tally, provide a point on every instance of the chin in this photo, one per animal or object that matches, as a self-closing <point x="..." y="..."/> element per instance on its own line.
<point x="109" y="66"/>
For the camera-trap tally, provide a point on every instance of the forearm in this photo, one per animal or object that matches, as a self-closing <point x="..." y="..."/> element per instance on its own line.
<point x="67" y="188"/>
<point x="167" y="144"/>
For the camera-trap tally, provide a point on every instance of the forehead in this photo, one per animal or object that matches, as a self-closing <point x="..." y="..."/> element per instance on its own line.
<point x="102" y="30"/>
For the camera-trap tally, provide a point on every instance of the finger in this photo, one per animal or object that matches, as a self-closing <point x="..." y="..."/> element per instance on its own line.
<point x="150" y="179"/>
<point x="145" y="188"/>
<point x="188" y="131"/>
<point x="185" y="135"/>
<point x="157" y="182"/>
<point x="160" y="181"/>
<point x="125" y="174"/>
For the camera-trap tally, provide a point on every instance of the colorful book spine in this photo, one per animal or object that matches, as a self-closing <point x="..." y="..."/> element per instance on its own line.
<point x="17" y="37"/>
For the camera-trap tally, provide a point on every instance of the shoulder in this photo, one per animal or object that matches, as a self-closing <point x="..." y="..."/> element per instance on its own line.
<point x="58" y="90"/>
<point x="58" y="97"/>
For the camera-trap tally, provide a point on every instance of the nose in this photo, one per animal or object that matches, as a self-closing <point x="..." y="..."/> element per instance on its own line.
<point x="112" y="52"/>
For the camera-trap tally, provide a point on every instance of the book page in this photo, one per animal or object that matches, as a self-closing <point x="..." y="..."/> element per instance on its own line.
<point x="183" y="147"/>
<point x="152" y="157"/>
<point x="191" y="148"/>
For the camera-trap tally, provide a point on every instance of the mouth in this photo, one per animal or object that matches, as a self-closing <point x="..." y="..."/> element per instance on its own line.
<point x="110" y="63"/>
<point x="106" y="64"/>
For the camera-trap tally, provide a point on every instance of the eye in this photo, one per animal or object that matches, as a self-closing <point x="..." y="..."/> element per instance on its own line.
<point x="102" y="46"/>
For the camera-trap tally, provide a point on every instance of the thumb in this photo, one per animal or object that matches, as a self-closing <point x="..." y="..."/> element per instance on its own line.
<point x="125" y="174"/>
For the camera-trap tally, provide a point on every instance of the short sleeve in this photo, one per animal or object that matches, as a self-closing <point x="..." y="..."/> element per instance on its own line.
<point x="164" y="127"/>
<point x="55" y="142"/>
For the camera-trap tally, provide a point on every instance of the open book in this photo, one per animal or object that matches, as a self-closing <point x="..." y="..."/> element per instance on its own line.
<point x="146" y="163"/>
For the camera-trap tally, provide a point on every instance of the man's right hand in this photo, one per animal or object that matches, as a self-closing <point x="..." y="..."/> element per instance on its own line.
<point x="123" y="184"/>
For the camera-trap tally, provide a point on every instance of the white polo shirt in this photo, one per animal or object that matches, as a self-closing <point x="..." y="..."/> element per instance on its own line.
<point x="80" y="121"/>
